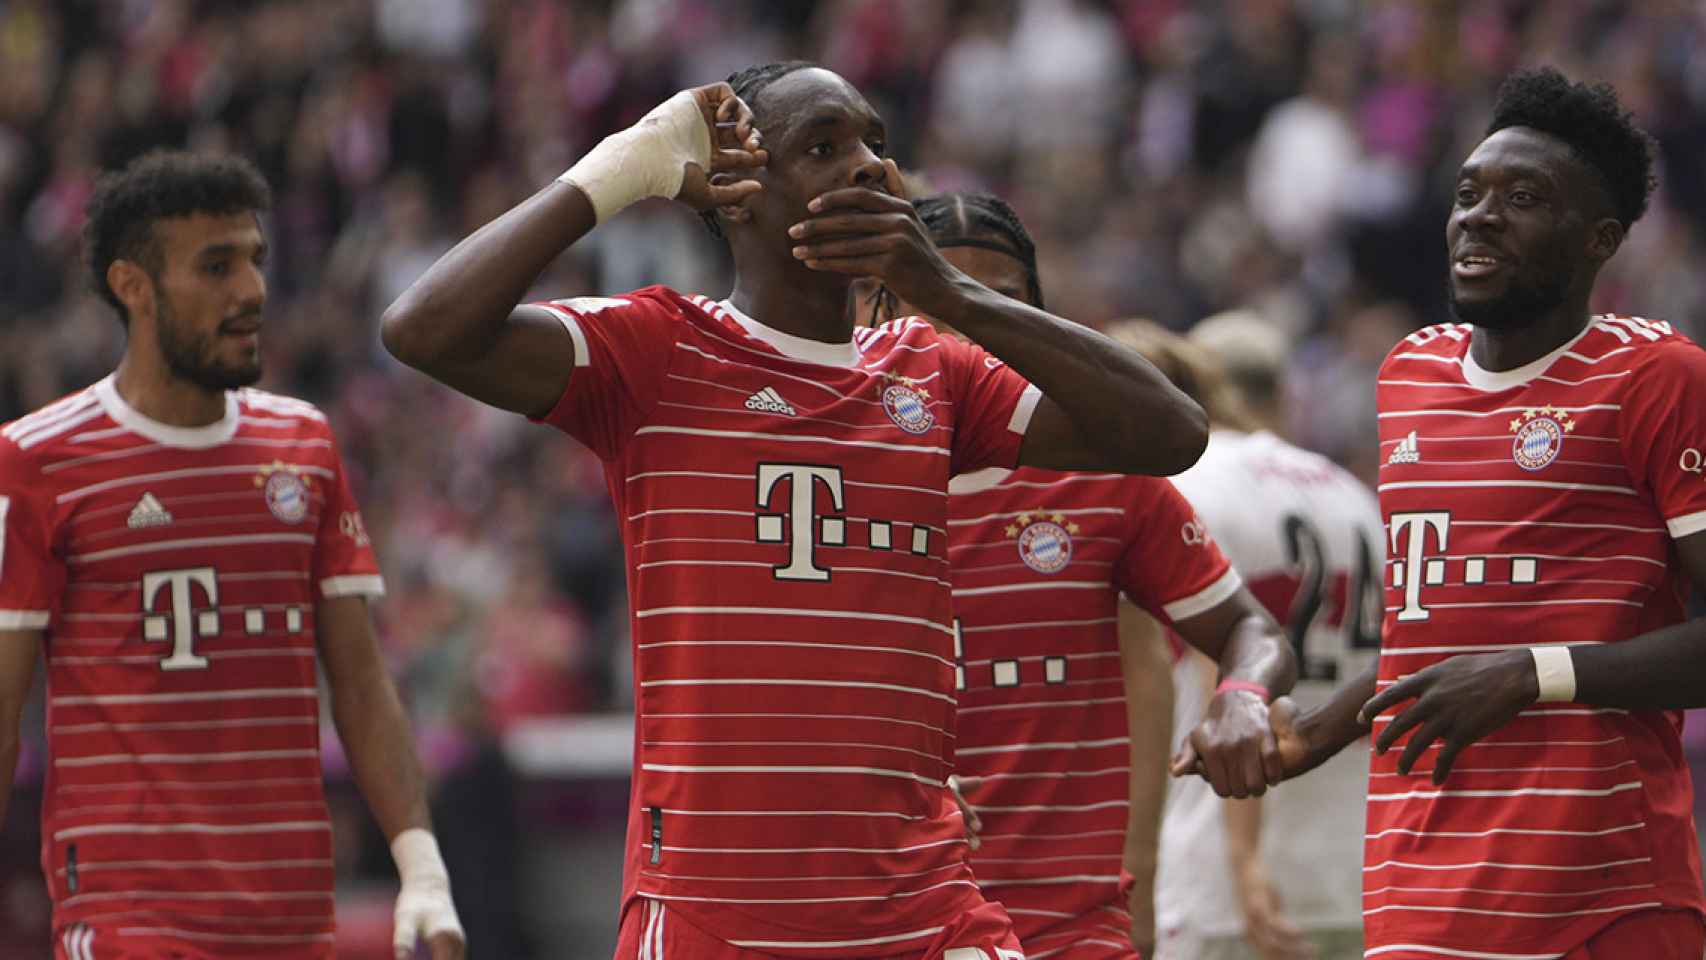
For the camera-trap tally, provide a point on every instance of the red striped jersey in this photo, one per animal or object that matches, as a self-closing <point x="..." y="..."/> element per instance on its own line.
<point x="1534" y="506"/>
<point x="175" y="572"/>
<point x="1039" y="562"/>
<point x="784" y="511"/>
<point x="1306" y="536"/>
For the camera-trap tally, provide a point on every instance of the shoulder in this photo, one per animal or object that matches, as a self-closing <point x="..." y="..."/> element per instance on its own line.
<point x="262" y="405"/>
<point x="909" y="334"/>
<point x="1434" y="352"/>
<point x="26" y="440"/>
<point x="1650" y="346"/>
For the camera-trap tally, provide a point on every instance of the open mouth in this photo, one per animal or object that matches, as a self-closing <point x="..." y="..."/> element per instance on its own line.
<point x="1475" y="266"/>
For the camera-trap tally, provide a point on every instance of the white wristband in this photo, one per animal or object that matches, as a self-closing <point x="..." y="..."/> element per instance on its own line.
<point x="1555" y="670"/>
<point x="649" y="159"/>
<point x="417" y="856"/>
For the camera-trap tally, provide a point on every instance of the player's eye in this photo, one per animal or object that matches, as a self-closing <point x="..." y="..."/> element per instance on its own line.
<point x="879" y="147"/>
<point x="1522" y="198"/>
<point x="823" y="149"/>
<point x="1465" y="197"/>
<point x="217" y="268"/>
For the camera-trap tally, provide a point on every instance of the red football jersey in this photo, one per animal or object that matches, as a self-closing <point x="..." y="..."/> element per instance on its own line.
<point x="176" y="572"/>
<point x="1039" y="561"/>
<point x="1534" y="506"/>
<point x="784" y="511"/>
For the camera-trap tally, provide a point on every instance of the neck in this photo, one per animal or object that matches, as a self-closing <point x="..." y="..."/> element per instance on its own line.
<point x="799" y="301"/>
<point x="154" y="392"/>
<point x="1507" y="349"/>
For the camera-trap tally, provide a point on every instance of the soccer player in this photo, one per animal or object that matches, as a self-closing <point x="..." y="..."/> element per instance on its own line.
<point x="1039" y="560"/>
<point x="1543" y="496"/>
<point x="782" y="483"/>
<point x="1274" y="877"/>
<point x="185" y="550"/>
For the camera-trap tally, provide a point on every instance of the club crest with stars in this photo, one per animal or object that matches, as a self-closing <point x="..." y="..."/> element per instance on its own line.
<point x="1540" y="433"/>
<point x="907" y="403"/>
<point x="286" y="490"/>
<point x="1045" y="540"/>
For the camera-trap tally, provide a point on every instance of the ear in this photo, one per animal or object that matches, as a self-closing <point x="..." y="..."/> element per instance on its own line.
<point x="1604" y="237"/>
<point x="133" y="287"/>
<point x="732" y="212"/>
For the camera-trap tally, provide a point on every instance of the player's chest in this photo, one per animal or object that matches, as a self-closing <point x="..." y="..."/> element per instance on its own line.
<point x="1018" y="540"/>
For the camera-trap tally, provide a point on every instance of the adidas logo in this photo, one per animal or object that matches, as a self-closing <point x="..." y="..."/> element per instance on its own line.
<point x="148" y="513"/>
<point x="1406" y="451"/>
<point x="769" y="401"/>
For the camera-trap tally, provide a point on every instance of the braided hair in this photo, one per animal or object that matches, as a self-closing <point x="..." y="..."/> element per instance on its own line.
<point x="748" y="84"/>
<point x="973" y="220"/>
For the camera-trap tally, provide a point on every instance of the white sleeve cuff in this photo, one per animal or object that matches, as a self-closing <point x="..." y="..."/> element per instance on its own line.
<point x="1205" y="599"/>
<point x="1024" y="409"/>
<point x="583" y="357"/>
<point x="1686" y="525"/>
<point x="24" y="619"/>
<point x="353" y="586"/>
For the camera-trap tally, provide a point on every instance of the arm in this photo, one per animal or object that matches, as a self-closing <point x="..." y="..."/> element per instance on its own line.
<point x="1235" y="746"/>
<point x="1148" y="671"/>
<point x="19" y="650"/>
<point x="1266" y="927"/>
<point x="375" y="734"/>
<point x="460" y="322"/>
<point x="1104" y="407"/>
<point x="1465" y="698"/>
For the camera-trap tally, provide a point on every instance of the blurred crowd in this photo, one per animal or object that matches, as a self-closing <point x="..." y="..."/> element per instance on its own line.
<point x="1174" y="158"/>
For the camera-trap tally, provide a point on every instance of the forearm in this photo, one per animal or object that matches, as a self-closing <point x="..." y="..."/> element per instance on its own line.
<point x="1333" y="725"/>
<point x="375" y="735"/>
<point x="457" y="307"/>
<point x="8" y="767"/>
<point x="1119" y="404"/>
<point x="1243" y="820"/>
<point x="1257" y="653"/>
<point x="1661" y="670"/>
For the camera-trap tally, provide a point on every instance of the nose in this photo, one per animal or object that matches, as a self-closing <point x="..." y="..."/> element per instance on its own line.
<point x="868" y="169"/>
<point x="1486" y="214"/>
<point x="252" y="288"/>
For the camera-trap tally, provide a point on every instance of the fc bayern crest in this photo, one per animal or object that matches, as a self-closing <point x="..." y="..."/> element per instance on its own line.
<point x="1045" y="544"/>
<point x="1540" y="436"/>
<point x="285" y="490"/>
<point x="908" y="404"/>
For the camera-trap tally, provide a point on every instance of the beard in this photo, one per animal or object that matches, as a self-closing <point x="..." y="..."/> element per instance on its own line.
<point x="194" y="356"/>
<point x="1521" y="305"/>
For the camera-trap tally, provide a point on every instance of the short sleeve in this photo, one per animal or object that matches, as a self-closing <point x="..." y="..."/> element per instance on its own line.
<point x="31" y="575"/>
<point x="992" y="407"/>
<point x="1664" y="433"/>
<point x="1171" y="566"/>
<point x="344" y="563"/>
<point x="622" y="352"/>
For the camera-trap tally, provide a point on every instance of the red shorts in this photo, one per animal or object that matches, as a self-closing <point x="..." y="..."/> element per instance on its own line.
<point x="1649" y="935"/>
<point x="651" y="931"/>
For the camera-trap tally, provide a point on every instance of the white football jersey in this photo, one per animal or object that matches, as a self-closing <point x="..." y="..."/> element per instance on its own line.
<point x="1307" y="538"/>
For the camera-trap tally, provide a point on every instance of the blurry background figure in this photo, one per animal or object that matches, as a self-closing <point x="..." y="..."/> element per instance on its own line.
<point x="386" y="126"/>
<point x="1277" y="877"/>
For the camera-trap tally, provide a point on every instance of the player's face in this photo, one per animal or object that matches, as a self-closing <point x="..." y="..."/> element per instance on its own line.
<point x="822" y="135"/>
<point x="209" y="296"/>
<point x="1517" y="234"/>
<point x="998" y="271"/>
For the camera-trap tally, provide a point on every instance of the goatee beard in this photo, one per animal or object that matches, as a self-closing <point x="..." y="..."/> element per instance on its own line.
<point x="1519" y="307"/>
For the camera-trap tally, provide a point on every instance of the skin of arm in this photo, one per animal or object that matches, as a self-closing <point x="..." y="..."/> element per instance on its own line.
<point x="369" y="717"/>
<point x="1235" y="747"/>
<point x="19" y="650"/>
<point x="1266" y="927"/>
<point x="1104" y="407"/>
<point x="1461" y="700"/>
<point x="1148" y="669"/>
<point x="460" y="322"/>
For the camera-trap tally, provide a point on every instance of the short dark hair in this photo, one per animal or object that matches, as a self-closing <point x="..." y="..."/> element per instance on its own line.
<point x="955" y="218"/>
<point x="1590" y="119"/>
<point x="748" y="84"/>
<point x="161" y="184"/>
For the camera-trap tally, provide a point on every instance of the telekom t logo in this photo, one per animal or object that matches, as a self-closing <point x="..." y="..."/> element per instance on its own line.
<point x="1414" y="551"/>
<point x="185" y="622"/>
<point x="804" y="529"/>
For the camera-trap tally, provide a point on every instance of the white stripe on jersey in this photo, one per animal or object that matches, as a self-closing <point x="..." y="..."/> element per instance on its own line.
<point x="771" y="682"/>
<point x="1504" y="484"/>
<point x="1063" y="775"/>
<point x="255" y="693"/>
<point x="185" y="724"/>
<point x="230" y="937"/>
<point x="1058" y="745"/>
<point x="880" y="896"/>
<point x="157" y="546"/>
<point x="1511" y="893"/>
<point x="802" y="813"/>
<point x="1050" y="808"/>
<point x="826" y="944"/>
<point x="1449" y="952"/>
<point x="795" y="879"/>
<point x="788" y="643"/>
<point x="1520" y="792"/>
<point x="771" y="768"/>
<point x="1512" y="913"/>
<point x="156" y="447"/>
<point x="104" y="829"/>
<point x="142" y="478"/>
<point x="1038" y="881"/>
<point x="759" y="563"/>
<point x="1517" y="831"/>
<point x="1032" y="624"/>
<point x="28" y="440"/>
<point x="1498" y="411"/>
<point x="109" y="758"/>
<point x="795" y="612"/>
<point x="357" y="585"/>
<point x="1496" y="865"/>
<point x="768" y="850"/>
<point x="1075" y="512"/>
<point x="210" y="655"/>
<point x="792" y="743"/>
<point x="781" y="438"/>
<point x="1021" y="587"/>
<point x="797" y="716"/>
<point x="63" y="407"/>
<point x="1528" y="603"/>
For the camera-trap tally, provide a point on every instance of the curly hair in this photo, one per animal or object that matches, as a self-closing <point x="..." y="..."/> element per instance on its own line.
<point x="748" y="84"/>
<point x="160" y="185"/>
<point x="1595" y="125"/>
<point x="977" y="219"/>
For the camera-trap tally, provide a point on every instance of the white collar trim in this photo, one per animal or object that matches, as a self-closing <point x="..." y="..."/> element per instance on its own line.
<point x="797" y="348"/>
<point x="192" y="438"/>
<point x="1493" y="380"/>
